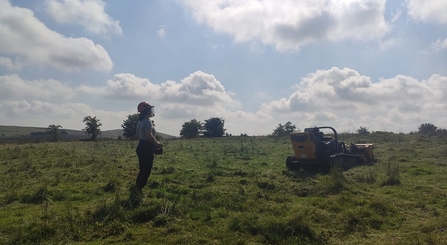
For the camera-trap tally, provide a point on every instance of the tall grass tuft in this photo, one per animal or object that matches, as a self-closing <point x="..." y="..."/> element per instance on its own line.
<point x="335" y="182"/>
<point x="295" y="230"/>
<point x="370" y="177"/>
<point x="73" y="222"/>
<point x="392" y="174"/>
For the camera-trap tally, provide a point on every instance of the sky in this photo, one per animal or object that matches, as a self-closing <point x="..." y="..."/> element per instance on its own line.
<point x="254" y="63"/>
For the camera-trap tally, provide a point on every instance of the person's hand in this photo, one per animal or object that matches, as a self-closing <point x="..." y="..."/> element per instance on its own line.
<point x="159" y="144"/>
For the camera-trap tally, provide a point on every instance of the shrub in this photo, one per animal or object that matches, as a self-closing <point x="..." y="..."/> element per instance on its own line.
<point x="427" y="128"/>
<point x="362" y="131"/>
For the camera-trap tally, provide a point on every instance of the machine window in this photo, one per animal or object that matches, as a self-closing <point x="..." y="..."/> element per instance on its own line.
<point x="300" y="137"/>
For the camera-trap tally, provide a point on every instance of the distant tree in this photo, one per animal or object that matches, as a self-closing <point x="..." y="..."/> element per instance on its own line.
<point x="279" y="131"/>
<point x="427" y="128"/>
<point x="191" y="129"/>
<point x="363" y="131"/>
<point x="92" y="127"/>
<point x="284" y="130"/>
<point x="214" y="127"/>
<point x="441" y="132"/>
<point x="289" y="127"/>
<point x="130" y="126"/>
<point x="54" y="132"/>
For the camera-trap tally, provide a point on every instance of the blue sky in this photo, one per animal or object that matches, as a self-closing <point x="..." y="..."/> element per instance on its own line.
<point x="343" y="63"/>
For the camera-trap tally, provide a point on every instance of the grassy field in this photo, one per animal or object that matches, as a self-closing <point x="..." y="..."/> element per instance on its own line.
<point x="231" y="190"/>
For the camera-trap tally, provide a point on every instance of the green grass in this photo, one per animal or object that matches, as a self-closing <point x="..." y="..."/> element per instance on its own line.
<point x="233" y="190"/>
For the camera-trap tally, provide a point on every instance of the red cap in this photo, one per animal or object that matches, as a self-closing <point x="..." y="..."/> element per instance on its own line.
<point x="143" y="106"/>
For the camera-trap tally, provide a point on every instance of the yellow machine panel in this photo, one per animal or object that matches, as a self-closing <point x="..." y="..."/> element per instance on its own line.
<point x="303" y="145"/>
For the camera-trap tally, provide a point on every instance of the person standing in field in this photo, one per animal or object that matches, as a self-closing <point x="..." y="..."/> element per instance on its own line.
<point x="146" y="145"/>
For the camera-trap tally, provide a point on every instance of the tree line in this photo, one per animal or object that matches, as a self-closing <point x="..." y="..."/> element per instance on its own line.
<point x="92" y="129"/>
<point x="212" y="127"/>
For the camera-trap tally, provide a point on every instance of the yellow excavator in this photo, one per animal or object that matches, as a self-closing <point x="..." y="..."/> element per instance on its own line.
<point x="315" y="151"/>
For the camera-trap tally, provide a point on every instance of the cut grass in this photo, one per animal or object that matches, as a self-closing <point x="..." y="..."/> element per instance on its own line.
<point x="232" y="190"/>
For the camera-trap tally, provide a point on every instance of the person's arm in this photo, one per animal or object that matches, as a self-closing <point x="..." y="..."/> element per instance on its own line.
<point x="151" y="138"/>
<point x="137" y="130"/>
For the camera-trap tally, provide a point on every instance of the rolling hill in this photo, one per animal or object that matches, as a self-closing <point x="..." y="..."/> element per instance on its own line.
<point x="38" y="133"/>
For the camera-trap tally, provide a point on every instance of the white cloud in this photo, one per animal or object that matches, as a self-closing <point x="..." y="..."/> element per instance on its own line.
<point x="128" y="86"/>
<point x="198" y="88"/>
<point x="341" y="97"/>
<point x="428" y="11"/>
<point x="199" y="96"/>
<point x="37" y="113"/>
<point x="396" y="16"/>
<point x="88" y="13"/>
<point x="124" y="86"/>
<point x="10" y="64"/>
<point x="438" y="85"/>
<point x="161" y="31"/>
<point x="387" y="44"/>
<point x="437" y="46"/>
<point x="257" y="123"/>
<point x="30" y="41"/>
<point x="14" y="87"/>
<point x="257" y="47"/>
<point x="289" y="24"/>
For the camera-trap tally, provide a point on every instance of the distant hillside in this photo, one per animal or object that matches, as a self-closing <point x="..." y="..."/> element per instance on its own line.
<point x="36" y="133"/>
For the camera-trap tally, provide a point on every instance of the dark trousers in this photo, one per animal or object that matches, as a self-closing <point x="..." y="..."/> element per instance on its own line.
<point x="145" y="161"/>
